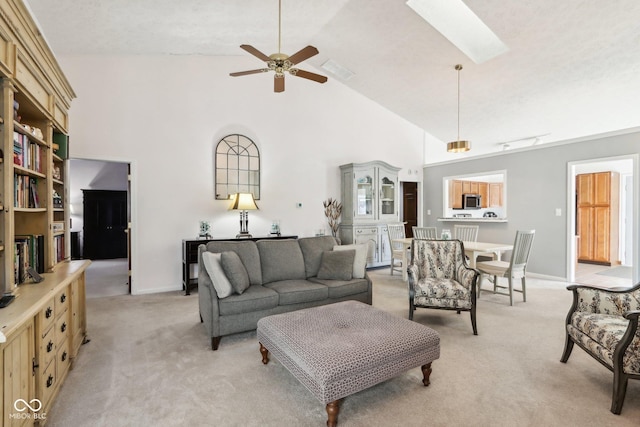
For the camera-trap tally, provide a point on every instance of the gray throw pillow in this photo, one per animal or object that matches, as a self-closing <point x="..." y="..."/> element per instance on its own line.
<point x="336" y="265"/>
<point x="360" y="259"/>
<point x="235" y="271"/>
<point x="213" y="264"/>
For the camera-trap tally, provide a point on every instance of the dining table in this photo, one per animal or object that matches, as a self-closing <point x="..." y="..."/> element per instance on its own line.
<point x="471" y="249"/>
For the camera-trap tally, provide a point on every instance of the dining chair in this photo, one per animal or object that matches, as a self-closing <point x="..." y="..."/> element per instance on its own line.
<point x="514" y="269"/>
<point x="396" y="231"/>
<point x="429" y="233"/>
<point x="466" y="233"/>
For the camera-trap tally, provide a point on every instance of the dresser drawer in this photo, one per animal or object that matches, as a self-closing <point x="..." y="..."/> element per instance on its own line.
<point x="46" y="317"/>
<point x="48" y="384"/>
<point x="61" y="300"/>
<point x="63" y="359"/>
<point x="62" y="328"/>
<point x="47" y="347"/>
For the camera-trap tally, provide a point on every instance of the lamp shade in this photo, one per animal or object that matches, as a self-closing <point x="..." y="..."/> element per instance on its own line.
<point x="243" y="202"/>
<point x="458" y="146"/>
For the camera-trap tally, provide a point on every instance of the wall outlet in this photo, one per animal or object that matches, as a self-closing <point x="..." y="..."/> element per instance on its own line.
<point x="558" y="212"/>
<point x="428" y="211"/>
<point x="299" y="205"/>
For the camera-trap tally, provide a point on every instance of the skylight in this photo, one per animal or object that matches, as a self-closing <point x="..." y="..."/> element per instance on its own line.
<point x="454" y="20"/>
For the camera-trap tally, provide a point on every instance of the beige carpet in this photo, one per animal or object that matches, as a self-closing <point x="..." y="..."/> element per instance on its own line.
<point x="149" y="364"/>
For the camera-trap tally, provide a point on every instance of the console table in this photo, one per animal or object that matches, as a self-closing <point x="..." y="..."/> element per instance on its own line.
<point x="190" y="255"/>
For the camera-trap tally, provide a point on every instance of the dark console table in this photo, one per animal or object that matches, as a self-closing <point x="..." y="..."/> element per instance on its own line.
<point x="190" y="256"/>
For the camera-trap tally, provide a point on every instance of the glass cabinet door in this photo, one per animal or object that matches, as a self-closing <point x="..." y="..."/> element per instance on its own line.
<point x="387" y="196"/>
<point x="364" y="197"/>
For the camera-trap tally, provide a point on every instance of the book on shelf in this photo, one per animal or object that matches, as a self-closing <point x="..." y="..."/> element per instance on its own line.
<point x="62" y="142"/>
<point x="27" y="153"/>
<point x="34" y="247"/>
<point x="58" y="248"/>
<point x="25" y="192"/>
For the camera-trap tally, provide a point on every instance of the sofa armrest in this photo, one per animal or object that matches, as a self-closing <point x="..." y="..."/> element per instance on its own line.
<point x="412" y="274"/>
<point x="207" y="298"/>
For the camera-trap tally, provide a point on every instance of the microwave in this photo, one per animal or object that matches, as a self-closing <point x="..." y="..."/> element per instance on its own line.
<point x="471" y="201"/>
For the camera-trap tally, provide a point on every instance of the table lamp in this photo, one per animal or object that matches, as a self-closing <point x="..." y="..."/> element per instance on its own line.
<point x="243" y="202"/>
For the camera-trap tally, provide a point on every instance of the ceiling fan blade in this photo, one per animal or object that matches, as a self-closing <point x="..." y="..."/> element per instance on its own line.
<point x="311" y="76"/>
<point x="278" y="84"/>
<point x="244" y="73"/>
<point x="302" y="54"/>
<point x="255" y="52"/>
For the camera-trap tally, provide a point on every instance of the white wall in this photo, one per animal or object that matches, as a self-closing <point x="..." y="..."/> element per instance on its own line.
<point x="164" y="115"/>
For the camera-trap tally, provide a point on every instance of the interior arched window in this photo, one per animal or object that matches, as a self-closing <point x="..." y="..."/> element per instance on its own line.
<point x="237" y="166"/>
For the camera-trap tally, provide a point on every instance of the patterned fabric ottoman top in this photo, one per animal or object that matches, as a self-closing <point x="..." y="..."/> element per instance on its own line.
<point x="338" y="349"/>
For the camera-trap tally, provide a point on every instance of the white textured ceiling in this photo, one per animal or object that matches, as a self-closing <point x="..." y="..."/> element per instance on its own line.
<point x="572" y="69"/>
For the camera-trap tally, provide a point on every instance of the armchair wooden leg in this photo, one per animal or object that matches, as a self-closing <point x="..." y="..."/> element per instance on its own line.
<point x="215" y="342"/>
<point x="619" y="390"/>
<point x="473" y="320"/>
<point x="568" y="346"/>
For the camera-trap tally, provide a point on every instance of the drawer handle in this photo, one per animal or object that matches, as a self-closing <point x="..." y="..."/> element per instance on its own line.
<point x="64" y="356"/>
<point x="49" y="347"/>
<point x="50" y="381"/>
<point x="48" y="313"/>
<point x="63" y="297"/>
<point x="63" y="327"/>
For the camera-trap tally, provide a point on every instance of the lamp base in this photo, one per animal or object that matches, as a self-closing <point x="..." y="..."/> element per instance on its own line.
<point x="243" y="235"/>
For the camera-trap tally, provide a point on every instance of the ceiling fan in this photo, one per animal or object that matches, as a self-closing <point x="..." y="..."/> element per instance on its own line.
<point x="281" y="63"/>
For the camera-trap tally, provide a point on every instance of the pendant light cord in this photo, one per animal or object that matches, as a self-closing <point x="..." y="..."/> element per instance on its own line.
<point x="279" y="23"/>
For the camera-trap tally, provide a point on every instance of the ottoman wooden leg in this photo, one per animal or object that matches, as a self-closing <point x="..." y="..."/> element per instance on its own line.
<point x="426" y="373"/>
<point x="332" y="413"/>
<point x="265" y="354"/>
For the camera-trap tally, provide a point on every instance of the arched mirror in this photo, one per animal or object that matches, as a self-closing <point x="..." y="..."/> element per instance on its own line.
<point x="237" y="166"/>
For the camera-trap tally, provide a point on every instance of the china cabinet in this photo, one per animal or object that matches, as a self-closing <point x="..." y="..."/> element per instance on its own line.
<point x="370" y="201"/>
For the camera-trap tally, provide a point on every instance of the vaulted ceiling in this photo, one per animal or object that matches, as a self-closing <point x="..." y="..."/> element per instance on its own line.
<point x="572" y="68"/>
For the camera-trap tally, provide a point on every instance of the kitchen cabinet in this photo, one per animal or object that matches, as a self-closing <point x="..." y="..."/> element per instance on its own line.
<point x="370" y="197"/>
<point x="597" y="219"/>
<point x="491" y="193"/>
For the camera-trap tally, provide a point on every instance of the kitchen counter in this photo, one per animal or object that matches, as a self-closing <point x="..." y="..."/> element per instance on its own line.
<point x="471" y="219"/>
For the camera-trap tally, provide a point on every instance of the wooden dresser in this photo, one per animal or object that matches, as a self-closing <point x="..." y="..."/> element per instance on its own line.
<point x="44" y="328"/>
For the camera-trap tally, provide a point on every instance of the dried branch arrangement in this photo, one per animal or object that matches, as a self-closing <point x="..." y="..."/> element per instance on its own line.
<point x="332" y="210"/>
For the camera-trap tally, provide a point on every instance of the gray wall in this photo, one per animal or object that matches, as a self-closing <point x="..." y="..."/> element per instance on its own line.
<point x="536" y="187"/>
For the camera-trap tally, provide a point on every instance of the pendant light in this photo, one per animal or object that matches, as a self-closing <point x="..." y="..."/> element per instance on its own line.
<point x="458" y="146"/>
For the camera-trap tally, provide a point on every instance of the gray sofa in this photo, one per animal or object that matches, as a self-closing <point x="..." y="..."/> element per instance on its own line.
<point x="283" y="276"/>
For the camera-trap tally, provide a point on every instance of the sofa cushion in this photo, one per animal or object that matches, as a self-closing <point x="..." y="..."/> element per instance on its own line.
<point x="255" y="298"/>
<point x="343" y="288"/>
<point x="280" y="260"/>
<point x="298" y="291"/>
<point x="312" y="248"/>
<point x="248" y="253"/>
<point x="213" y="264"/>
<point x="235" y="271"/>
<point x="360" y="260"/>
<point x="336" y="265"/>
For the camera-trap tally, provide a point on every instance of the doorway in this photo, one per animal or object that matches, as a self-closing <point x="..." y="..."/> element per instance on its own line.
<point x="100" y="179"/>
<point x="624" y="270"/>
<point x="409" y="207"/>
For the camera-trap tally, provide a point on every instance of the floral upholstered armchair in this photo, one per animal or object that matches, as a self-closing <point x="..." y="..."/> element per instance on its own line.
<point x="604" y="323"/>
<point x="439" y="277"/>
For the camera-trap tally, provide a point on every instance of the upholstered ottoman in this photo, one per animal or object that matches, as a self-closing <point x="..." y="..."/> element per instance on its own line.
<point x="339" y="349"/>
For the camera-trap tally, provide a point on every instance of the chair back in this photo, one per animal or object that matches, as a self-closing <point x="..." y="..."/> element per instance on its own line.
<point x="466" y="233"/>
<point x="430" y="233"/>
<point x="437" y="259"/>
<point x="396" y="231"/>
<point x="521" y="250"/>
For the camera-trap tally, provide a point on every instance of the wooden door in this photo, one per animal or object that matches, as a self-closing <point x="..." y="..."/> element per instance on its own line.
<point x="455" y="196"/>
<point x="495" y="194"/>
<point x="483" y="191"/>
<point x="584" y="188"/>
<point x="105" y="224"/>
<point x="601" y="234"/>
<point x="602" y="188"/>
<point x="584" y="229"/>
<point x="409" y="207"/>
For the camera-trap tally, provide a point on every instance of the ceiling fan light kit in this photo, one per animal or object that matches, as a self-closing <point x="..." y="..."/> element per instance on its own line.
<point x="281" y="63"/>
<point x="458" y="146"/>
